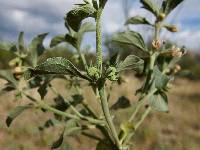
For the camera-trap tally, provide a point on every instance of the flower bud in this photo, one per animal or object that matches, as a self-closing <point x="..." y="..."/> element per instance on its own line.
<point x="93" y="72"/>
<point x="161" y="16"/>
<point x="171" y="28"/>
<point x="112" y="76"/>
<point x="17" y="72"/>
<point x="177" y="68"/>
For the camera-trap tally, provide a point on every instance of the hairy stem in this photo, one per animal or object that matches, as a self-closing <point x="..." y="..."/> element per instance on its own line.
<point x="82" y="58"/>
<point x="99" y="58"/>
<point x="108" y="118"/>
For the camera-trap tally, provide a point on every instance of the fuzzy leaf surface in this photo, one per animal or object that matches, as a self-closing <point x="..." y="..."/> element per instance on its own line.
<point x="55" y="65"/>
<point x="36" y="48"/>
<point x="130" y="38"/>
<point x="150" y="6"/>
<point x="159" y="101"/>
<point x="131" y="62"/>
<point x="169" y="5"/>
<point x="137" y="20"/>
<point x="75" y="16"/>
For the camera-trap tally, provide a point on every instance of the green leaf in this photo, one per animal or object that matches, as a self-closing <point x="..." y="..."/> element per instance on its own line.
<point x="7" y="75"/>
<point x="58" y="142"/>
<point x="131" y="62"/>
<point x="49" y="123"/>
<point x="87" y="27"/>
<point x="66" y="146"/>
<point x="114" y="60"/>
<point x="71" y="40"/>
<point x="122" y="102"/>
<point x="159" y="101"/>
<point x="70" y="129"/>
<point x="130" y="38"/>
<point x="150" y="6"/>
<point x="102" y="3"/>
<point x="74" y="17"/>
<point x="160" y="80"/>
<point x="55" y="65"/>
<point x="42" y="90"/>
<point x="137" y="20"/>
<point x="169" y="5"/>
<point x="8" y="46"/>
<point x="95" y="4"/>
<point x="16" y="112"/>
<point x="21" y="45"/>
<point x="7" y="88"/>
<point x="36" y="48"/>
<point x="57" y="40"/>
<point x="6" y="55"/>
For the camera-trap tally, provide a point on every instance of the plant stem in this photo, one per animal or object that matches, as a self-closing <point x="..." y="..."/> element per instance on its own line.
<point x="43" y="105"/>
<point x="82" y="57"/>
<point x="89" y="119"/>
<point x="127" y="139"/>
<point x="106" y="112"/>
<point x="141" y="102"/>
<point x="99" y="58"/>
<point x="157" y="31"/>
<point x="147" y="111"/>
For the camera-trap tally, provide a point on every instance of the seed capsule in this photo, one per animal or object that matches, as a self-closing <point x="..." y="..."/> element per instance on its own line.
<point x="177" y="53"/>
<point x="156" y="44"/>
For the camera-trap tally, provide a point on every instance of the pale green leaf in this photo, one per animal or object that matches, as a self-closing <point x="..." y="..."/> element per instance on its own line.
<point x="36" y="48"/>
<point x="160" y="80"/>
<point x="87" y="27"/>
<point x="57" y="40"/>
<point x="137" y="20"/>
<point x="131" y="62"/>
<point x="159" y="102"/>
<point x="150" y="6"/>
<point x="130" y="38"/>
<point x="21" y="45"/>
<point x="8" y="75"/>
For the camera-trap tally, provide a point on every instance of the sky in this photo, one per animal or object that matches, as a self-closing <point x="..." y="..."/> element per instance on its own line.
<point x="40" y="16"/>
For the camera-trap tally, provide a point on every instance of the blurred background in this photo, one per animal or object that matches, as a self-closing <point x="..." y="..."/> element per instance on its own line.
<point x="177" y="130"/>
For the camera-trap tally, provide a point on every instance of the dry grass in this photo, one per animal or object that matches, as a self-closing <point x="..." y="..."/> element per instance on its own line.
<point x="177" y="130"/>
